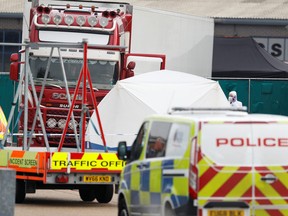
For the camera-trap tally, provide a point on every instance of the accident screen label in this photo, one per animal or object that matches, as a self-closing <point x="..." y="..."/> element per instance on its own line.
<point x="23" y="162"/>
<point x="21" y="159"/>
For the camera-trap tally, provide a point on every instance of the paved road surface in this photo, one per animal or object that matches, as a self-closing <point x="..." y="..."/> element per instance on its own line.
<point x="64" y="203"/>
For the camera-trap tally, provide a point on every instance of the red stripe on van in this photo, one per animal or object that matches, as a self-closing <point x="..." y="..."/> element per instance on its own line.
<point x="267" y="202"/>
<point x="229" y="184"/>
<point x="278" y="186"/>
<point x="254" y="122"/>
<point x="206" y="177"/>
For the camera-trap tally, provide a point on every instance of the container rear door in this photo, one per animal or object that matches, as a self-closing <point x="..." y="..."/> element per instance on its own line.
<point x="270" y="161"/>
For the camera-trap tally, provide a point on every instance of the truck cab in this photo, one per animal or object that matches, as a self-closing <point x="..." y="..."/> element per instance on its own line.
<point x="107" y="28"/>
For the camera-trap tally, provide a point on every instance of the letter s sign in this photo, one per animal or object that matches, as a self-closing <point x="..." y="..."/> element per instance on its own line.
<point x="276" y="47"/>
<point x="276" y="50"/>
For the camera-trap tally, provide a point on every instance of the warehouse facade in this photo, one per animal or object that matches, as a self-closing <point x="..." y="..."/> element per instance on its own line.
<point x="265" y="20"/>
<point x="11" y="16"/>
<point x="272" y="35"/>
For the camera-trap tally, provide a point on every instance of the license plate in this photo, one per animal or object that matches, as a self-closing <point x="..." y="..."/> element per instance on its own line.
<point x="97" y="179"/>
<point x="225" y="212"/>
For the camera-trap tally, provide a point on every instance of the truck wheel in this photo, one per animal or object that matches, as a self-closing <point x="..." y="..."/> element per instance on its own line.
<point x="122" y="207"/>
<point x="87" y="194"/>
<point x="104" y="193"/>
<point x="169" y="211"/>
<point x="20" y="191"/>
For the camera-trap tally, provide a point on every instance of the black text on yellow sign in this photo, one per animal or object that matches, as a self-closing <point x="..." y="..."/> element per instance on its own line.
<point x="23" y="162"/>
<point x="97" y="179"/>
<point x="88" y="163"/>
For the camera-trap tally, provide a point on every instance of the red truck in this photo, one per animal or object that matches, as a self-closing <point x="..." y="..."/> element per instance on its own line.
<point x="108" y="28"/>
<point x="75" y="53"/>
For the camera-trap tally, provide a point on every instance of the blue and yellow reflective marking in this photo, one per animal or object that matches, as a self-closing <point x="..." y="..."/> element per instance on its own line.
<point x="150" y="186"/>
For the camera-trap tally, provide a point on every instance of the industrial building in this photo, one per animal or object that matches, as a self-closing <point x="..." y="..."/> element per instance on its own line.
<point x="265" y="20"/>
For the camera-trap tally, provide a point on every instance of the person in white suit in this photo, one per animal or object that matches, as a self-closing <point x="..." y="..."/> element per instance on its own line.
<point x="233" y="99"/>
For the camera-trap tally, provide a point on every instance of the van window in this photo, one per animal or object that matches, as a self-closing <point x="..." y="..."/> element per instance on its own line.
<point x="245" y="144"/>
<point x="138" y="143"/>
<point x="178" y="140"/>
<point x="158" y="139"/>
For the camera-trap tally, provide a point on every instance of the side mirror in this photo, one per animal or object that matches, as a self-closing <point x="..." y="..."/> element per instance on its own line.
<point x="122" y="150"/>
<point x="14" y="67"/>
<point x="130" y="67"/>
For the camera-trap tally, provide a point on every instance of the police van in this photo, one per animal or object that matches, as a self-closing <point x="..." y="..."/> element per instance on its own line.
<point x="212" y="163"/>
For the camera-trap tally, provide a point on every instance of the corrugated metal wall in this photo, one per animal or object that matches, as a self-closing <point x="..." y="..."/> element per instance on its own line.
<point x="15" y="24"/>
<point x="249" y="30"/>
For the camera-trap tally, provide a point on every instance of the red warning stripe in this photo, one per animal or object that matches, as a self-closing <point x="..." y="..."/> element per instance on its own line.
<point x="17" y="154"/>
<point x="267" y="202"/>
<point x="278" y="186"/>
<point x="248" y="193"/>
<point x="206" y="177"/>
<point x="229" y="184"/>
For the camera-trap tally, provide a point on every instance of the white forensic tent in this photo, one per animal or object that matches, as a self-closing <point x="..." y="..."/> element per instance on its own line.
<point x="131" y="100"/>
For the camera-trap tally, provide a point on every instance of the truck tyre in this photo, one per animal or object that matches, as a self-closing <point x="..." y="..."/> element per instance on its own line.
<point x="104" y="193"/>
<point x="122" y="207"/>
<point x="20" y="191"/>
<point x="169" y="211"/>
<point x="87" y="194"/>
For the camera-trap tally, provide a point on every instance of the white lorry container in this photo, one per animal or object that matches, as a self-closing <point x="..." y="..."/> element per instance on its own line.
<point x="187" y="41"/>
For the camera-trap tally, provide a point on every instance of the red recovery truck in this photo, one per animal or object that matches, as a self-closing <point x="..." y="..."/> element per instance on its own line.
<point x="76" y="52"/>
<point x="108" y="28"/>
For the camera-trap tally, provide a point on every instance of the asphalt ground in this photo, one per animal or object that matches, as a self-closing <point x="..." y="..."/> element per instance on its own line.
<point x="64" y="203"/>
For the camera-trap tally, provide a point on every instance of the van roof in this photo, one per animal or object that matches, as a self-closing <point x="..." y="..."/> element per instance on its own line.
<point x="218" y="115"/>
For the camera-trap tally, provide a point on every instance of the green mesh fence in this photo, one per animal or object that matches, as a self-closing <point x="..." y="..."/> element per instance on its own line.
<point x="259" y="95"/>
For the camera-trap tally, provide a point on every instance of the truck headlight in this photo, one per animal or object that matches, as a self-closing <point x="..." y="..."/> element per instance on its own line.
<point x="57" y="19"/>
<point x="71" y="124"/>
<point x="103" y="21"/>
<point x="69" y="20"/>
<point x="51" y="123"/>
<point x="80" y="20"/>
<point x="45" y="19"/>
<point x="61" y="123"/>
<point x="92" y="20"/>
